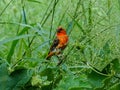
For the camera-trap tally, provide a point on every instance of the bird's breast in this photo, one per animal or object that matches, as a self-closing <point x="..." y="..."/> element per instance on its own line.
<point x="63" y="39"/>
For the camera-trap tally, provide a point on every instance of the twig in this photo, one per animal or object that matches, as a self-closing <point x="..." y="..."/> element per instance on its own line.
<point x="46" y="11"/>
<point x="55" y="3"/>
<point x="75" y="15"/>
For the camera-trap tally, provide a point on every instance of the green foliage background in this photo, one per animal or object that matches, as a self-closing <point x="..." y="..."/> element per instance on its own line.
<point x="91" y="60"/>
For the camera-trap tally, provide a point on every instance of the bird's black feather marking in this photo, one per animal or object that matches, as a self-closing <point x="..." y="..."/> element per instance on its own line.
<point x="55" y="43"/>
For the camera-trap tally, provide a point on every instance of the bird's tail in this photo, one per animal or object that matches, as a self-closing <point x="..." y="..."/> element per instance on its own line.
<point x="50" y="54"/>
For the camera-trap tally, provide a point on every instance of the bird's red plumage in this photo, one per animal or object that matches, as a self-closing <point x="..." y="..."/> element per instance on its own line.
<point x="59" y="43"/>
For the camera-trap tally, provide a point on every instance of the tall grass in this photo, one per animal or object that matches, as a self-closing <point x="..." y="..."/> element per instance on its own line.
<point x="91" y="59"/>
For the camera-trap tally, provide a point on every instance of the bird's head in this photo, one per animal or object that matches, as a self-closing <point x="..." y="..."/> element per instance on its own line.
<point x="61" y="30"/>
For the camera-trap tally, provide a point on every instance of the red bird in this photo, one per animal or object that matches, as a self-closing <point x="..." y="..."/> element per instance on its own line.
<point x="59" y="43"/>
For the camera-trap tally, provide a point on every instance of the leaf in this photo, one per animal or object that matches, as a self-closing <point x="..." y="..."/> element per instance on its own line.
<point x="16" y="80"/>
<point x="105" y="51"/>
<point x="116" y="86"/>
<point x="57" y="80"/>
<point x="34" y="1"/>
<point x="15" y="38"/>
<point x="51" y="81"/>
<point x="14" y="43"/>
<point x="3" y="76"/>
<point x="106" y="47"/>
<point x="96" y="80"/>
<point x="49" y="73"/>
<point x="116" y="64"/>
<point x="36" y="80"/>
<point x="71" y="82"/>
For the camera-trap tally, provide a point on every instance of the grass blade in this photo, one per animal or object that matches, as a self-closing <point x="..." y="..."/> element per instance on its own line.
<point x="5" y="8"/>
<point x="15" y="41"/>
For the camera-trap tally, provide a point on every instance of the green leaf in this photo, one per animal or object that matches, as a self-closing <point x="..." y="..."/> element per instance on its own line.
<point x="116" y="86"/>
<point x="70" y="82"/>
<point x="106" y="47"/>
<point x="19" y="78"/>
<point x="57" y="80"/>
<point x="111" y="67"/>
<point x="49" y="73"/>
<point x="116" y="65"/>
<point x="105" y="51"/>
<point x="36" y="80"/>
<point x="3" y="76"/>
<point x="96" y="80"/>
<point x="16" y="80"/>
<point x="15" y="38"/>
<point x="34" y="1"/>
<point x="15" y="41"/>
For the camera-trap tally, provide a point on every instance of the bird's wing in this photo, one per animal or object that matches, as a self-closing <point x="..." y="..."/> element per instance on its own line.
<point x="53" y="48"/>
<point x="54" y="45"/>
